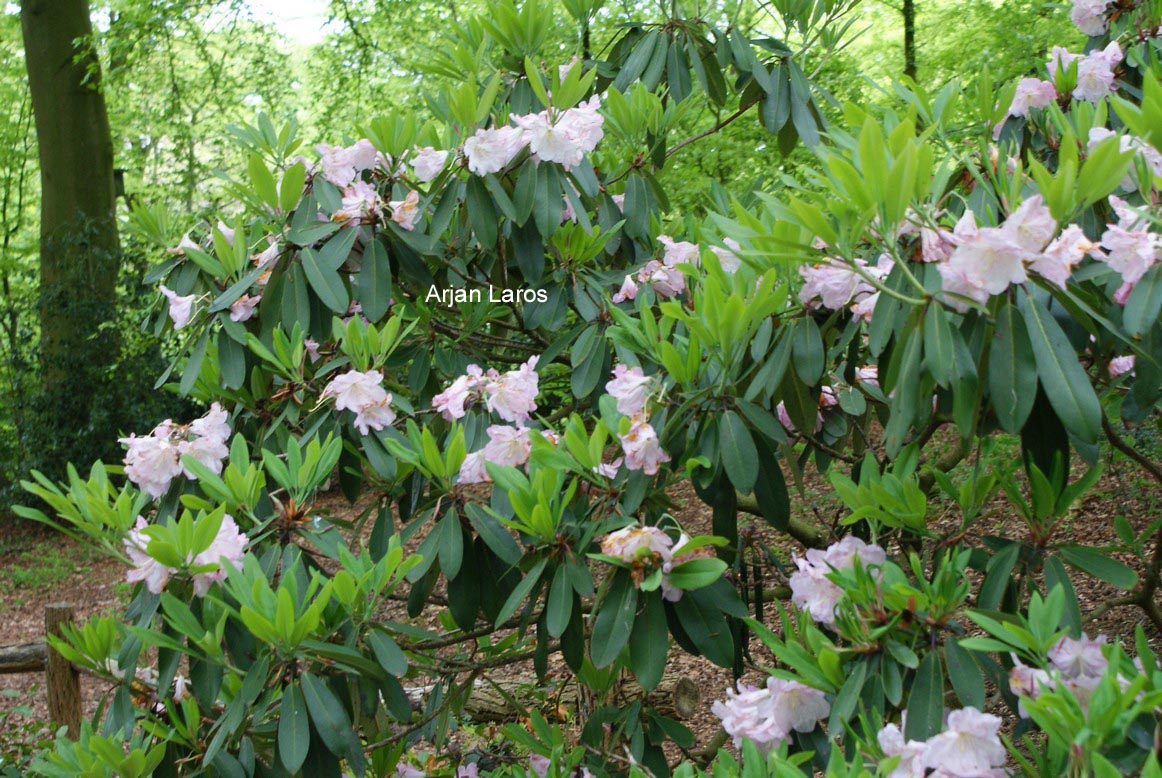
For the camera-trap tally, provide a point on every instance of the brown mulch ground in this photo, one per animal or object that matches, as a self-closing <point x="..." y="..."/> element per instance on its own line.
<point x="94" y="585"/>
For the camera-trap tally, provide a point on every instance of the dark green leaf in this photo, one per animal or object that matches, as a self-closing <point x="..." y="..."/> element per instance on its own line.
<point x="926" y="700"/>
<point x="738" y="451"/>
<point x="649" y="642"/>
<point x="294" y="734"/>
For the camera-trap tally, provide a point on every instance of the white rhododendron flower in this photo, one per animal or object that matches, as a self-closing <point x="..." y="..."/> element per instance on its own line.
<point x="608" y="469"/>
<point x="472" y="470"/>
<point x="427" y="163"/>
<point x="507" y="446"/>
<point x="631" y="388"/>
<point x="564" y="137"/>
<point x="180" y="306"/>
<point x="969" y="746"/>
<point x="363" y="394"/>
<point x="812" y="591"/>
<point x="355" y="390"/>
<point x="642" y="449"/>
<point x="153" y="461"/>
<point x="490" y="151"/>
<point x="628" y="291"/>
<point x="512" y="396"/>
<point x="1079" y="657"/>
<point x="406" y="212"/>
<point x="342" y="165"/>
<point x="1032" y="93"/>
<point x="767" y="716"/>
<point x="1090" y="16"/>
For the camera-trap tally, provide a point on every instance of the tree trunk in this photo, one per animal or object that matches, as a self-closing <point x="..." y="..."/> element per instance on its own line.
<point x="910" y="39"/>
<point x="79" y="247"/>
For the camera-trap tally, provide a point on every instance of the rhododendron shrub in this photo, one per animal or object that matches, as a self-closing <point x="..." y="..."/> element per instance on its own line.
<point x="981" y="261"/>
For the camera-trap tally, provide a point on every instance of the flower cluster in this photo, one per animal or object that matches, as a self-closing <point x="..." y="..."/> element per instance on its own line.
<point x="768" y="716"/>
<point x="1128" y="143"/>
<point x="511" y="395"/>
<point x="1076" y="665"/>
<point x="564" y="137"/>
<point x="362" y="394"/>
<point x="228" y="546"/>
<point x="812" y="591"/>
<point x="640" y="444"/>
<point x="1090" y="16"/>
<point x="986" y="260"/>
<point x="1131" y="249"/>
<point x="1095" y="77"/>
<point x="969" y="747"/>
<point x="153" y="461"/>
<point x="833" y="284"/>
<point x="645" y="549"/>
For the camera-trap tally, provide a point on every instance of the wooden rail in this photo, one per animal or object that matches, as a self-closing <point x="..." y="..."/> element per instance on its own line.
<point x="62" y="681"/>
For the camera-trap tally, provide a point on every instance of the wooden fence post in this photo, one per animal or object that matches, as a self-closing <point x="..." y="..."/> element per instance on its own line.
<point x="62" y="679"/>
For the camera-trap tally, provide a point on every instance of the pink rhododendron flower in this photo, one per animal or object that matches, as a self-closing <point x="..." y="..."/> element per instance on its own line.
<point x="642" y="449"/>
<point x="145" y="568"/>
<point x="833" y="284"/>
<point x="404" y="770"/>
<point x="227" y="547"/>
<point x="1128" y="143"/>
<point x="1121" y="365"/>
<point x="563" y="69"/>
<point x="868" y="374"/>
<point x="563" y="137"/>
<point x="342" y="165"/>
<point x="628" y="291"/>
<point x="376" y="415"/>
<point x="452" y="401"/>
<point x="631" y="388"/>
<point x="608" y="469"/>
<point x="153" y="461"/>
<point x="507" y="446"/>
<point x="539" y="765"/>
<point x="635" y="544"/>
<point x="184" y="245"/>
<point x="513" y="395"/>
<point x="1032" y="93"/>
<point x="619" y="201"/>
<point x="472" y="470"/>
<point x="1056" y="263"/>
<point x="1090" y="16"/>
<point x="490" y="151"/>
<point x="728" y="257"/>
<point x="812" y="591"/>
<point x="354" y="391"/>
<point x="427" y="163"/>
<point x="312" y="348"/>
<point x="911" y="764"/>
<point x="968" y="746"/>
<point x="767" y="716"/>
<point x="269" y="254"/>
<point x="1079" y="657"/>
<point x="1131" y="249"/>
<point x="406" y="212"/>
<point x="180" y="306"/>
<point x="242" y="309"/>
<point x="1031" y="226"/>
<point x="1095" y="71"/>
<point x="226" y="231"/>
<point x="358" y="204"/>
<point x="678" y="252"/>
<point x="667" y="281"/>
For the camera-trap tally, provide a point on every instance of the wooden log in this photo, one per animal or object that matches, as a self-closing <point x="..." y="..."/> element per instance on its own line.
<point x="61" y="678"/>
<point x="675" y="696"/>
<point x="23" y="658"/>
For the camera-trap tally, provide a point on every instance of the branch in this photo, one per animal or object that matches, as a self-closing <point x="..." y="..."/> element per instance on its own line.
<point x="1133" y="453"/>
<point x="808" y="534"/>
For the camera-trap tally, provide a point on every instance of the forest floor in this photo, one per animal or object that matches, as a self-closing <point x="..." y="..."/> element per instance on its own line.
<point x="38" y="567"/>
